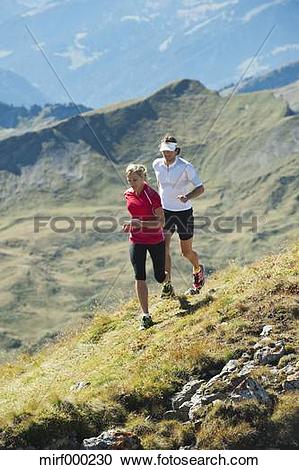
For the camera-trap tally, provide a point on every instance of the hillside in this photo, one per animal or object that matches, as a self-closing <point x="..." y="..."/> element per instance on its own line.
<point x="18" y="91"/>
<point x="275" y="79"/>
<point x="290" y="93"/>
<point x="28" y="118"/>
<point x="216" y="371"/>
<point x="246" y="156"/>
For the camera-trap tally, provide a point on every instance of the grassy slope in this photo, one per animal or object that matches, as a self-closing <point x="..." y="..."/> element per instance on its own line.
<point x="291" y="94"/>
<point x="248" y="158"/>
<point x="132" y="374"/>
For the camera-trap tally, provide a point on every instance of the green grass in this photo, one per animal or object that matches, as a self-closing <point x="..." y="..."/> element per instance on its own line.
<point x="133" y="374"/>
<point x="49" y="281"/>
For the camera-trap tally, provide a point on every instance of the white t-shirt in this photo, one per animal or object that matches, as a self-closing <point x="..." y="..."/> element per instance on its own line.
<point x="173" y="180"/>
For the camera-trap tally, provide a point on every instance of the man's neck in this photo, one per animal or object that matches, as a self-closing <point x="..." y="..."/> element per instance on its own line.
<point x="170" y="162"/>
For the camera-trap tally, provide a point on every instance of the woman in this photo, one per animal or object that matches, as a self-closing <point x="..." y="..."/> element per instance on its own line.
<point x="146" y="234"/>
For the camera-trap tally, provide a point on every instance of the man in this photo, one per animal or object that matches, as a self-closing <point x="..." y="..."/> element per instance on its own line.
<point x="174" y="177"/>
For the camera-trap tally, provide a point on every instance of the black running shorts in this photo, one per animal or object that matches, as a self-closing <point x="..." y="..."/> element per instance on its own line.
<point x="181" y="221"/>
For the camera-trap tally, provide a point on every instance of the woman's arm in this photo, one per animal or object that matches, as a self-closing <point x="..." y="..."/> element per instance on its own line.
<point x="157" y="222"/>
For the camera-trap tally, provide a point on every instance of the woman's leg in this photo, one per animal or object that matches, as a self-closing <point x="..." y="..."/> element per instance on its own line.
<point x="142" y="294"/>
<point x="168" y="236"/>
<point x="157" y="253"/>
<point x="138" y="259"/>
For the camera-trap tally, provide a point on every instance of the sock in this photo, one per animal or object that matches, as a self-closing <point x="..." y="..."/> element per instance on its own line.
<point x="197" y="269"/>
<point x="145" y="314"/>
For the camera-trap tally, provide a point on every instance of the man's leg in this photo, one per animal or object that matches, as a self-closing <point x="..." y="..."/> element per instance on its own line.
<point x="198" y="268"/>
<point x="188" y="252"/>
<point x="186" y="230"/>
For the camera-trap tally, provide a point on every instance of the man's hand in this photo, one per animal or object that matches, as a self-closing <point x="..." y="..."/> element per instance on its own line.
<point x="182" y="198"/>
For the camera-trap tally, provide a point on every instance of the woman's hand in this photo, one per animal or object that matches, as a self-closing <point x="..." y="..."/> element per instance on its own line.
<point x="126" y="227"/>
<point x="135" y="223"/>
<point x="182" y="198"/>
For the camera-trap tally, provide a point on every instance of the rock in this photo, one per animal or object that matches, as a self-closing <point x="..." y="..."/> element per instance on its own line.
<point x="79" y="386"/>
<point x="292" y="382"/>
<point x="171" y="414"/>
<point x="249" y="389"/>
<point x="230" y="366"/>
<point x="113" y="439"/>
<point x="245" y="356"/>
<point x="266" y="330"/>
<point x="270" y="355"/>
<point x="181" y="414"/>
<point x="186" y="393"/>
<point x="288" y="369"/>
<point x="188" y="448"/>
<point x="247" y="368"/>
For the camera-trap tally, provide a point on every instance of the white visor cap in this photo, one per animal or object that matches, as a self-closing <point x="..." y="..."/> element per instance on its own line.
<point x="171" y="146"/>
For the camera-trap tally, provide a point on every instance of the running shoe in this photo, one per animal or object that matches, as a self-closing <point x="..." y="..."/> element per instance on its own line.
<point x="146" y="322"/>
<point x="167" y="290"/>
<point x="198" y="281"/>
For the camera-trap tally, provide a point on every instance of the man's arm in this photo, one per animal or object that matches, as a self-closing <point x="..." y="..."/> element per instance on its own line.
<point x="193" y="194"/>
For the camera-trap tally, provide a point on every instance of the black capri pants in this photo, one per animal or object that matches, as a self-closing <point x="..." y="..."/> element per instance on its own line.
<point x="138" y="259"/>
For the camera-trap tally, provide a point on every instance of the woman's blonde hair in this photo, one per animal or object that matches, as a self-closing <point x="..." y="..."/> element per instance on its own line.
<point x="136" y="168"/>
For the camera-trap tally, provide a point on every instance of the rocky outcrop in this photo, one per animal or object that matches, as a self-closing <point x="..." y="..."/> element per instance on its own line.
<point x="236" y="380"/>
<point x="113" y="440"/>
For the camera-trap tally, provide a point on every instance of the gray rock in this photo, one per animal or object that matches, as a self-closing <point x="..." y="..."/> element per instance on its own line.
<point x="214" y="379"/>
<point x="246" y="355"/>
<point x="249" y="389"/>
<point x="288" y="369"/>
<point x="113" y="439"/>
<point x="203" y="400"/>
<point x="230" y="366"/>
<point x="247" y="368"/>
<point x="266" y="330"/>
<point x="270" y="355"/>
<point x="186" y="393"/>
<point x="292" y="382"/>
<point x="79" y="386"/>
<point x="171" y="414"/>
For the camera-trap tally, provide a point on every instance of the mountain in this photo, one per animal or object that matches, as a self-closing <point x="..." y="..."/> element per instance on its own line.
<point x="275" y="79"/>
<point x="128" y="48"/>
<point x="219" y="371"/>
<point x="22" y="118"/>
<point x="16" y="90"/>
<point x="291" y="94"/>
<point x="245" y="150"/>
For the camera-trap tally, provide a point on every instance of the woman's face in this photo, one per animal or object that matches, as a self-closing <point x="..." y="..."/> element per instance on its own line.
<point x="136" y="181"/>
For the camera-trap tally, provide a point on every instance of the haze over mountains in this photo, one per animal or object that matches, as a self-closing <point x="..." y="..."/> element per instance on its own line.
<point x="246" y="151"/>
<point x="125" y="48"/>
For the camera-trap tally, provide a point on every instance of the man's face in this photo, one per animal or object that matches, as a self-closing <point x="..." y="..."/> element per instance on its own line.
<point x="169" y="155"/>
